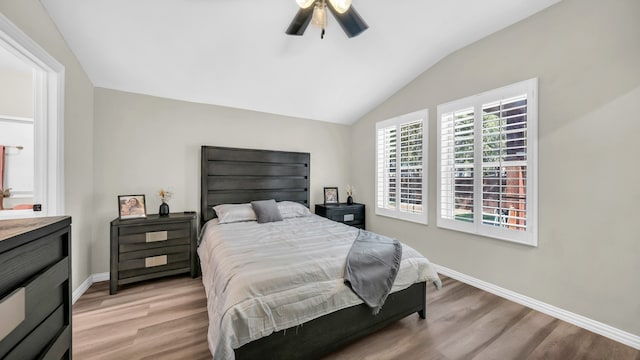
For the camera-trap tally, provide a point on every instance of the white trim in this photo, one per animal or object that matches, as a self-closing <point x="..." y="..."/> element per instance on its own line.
<point x="86" y="284"/>
<point x="48" y="116"/>
<point x="18" y="214"/>
<point x="558" y="313"/>
<point x="105" y="276"/>
<point x="93" y="278"/>
<point x="19" y="119"/>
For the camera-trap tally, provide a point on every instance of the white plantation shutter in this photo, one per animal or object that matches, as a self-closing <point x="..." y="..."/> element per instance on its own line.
<point x="504" y="162"/>
<point x="401" y="167"/>
<point x="410" y="187"/>
<point x="457" y="167"/>
<point x="386" y="173"/>
<point x="487" y="163"/>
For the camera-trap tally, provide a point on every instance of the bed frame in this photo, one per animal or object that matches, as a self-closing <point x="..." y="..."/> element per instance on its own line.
<point x="231" y="175"/>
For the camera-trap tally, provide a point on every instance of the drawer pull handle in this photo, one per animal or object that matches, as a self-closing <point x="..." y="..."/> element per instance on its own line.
<point x="348" y="217"/>
<point x="156" y="236"/>
<point x="155" y="261"/>
<point x="12" y="312"/>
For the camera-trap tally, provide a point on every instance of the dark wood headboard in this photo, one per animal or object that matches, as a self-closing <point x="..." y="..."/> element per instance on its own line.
<point x="236" y="176"/>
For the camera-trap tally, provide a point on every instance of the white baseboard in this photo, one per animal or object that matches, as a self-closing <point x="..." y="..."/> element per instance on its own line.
<point x="81" y="289"/>
<point x="100" y="277"/>
<point x="93" y="278"/>
<point x="572" y="318"/>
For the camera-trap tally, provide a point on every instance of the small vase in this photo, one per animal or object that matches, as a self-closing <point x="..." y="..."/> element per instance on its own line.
<point x="164" y="209"/>
<point x="349" y="200"/>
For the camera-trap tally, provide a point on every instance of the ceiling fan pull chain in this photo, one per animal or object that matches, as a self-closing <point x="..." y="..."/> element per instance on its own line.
<point x="322" y="34"/>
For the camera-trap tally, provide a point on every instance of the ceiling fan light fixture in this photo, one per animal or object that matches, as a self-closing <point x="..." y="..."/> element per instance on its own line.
<point x="319" y="18"/>
<point x="340" y="5"/>
<point x="315" y="12"/>
<point x="305" y="3"/>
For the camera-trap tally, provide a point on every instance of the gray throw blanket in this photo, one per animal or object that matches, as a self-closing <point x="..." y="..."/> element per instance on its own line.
<point x="372" y="266"/>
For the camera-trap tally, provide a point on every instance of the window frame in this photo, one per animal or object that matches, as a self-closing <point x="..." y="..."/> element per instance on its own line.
<point x="421" y="115"/>
<point x="477" y="227"/>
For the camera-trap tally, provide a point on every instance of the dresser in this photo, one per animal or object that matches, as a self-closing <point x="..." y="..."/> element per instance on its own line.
<point x="347" y="214"/>
<point x="35" y="288"/>
<point x="152" y="247"/>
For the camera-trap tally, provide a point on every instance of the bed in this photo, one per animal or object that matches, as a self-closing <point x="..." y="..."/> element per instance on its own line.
<point x="238" y="328"/>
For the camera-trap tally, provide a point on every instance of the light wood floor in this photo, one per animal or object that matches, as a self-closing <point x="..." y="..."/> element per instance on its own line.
<point x="167" y="319"/>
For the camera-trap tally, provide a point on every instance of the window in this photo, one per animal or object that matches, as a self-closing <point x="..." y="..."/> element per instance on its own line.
<point x="487" y="163"/>
<point x="401" y="167"/>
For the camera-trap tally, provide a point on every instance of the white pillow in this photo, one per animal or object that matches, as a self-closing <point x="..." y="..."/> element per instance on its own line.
<point x="290" y="209"/>
<point x="229" y="213"/>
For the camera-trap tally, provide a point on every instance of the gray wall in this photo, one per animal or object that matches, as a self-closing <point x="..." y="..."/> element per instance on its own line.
<point x="143" y="143"/>
<point x="586" y="54"/>
<point x="30" y="17"/>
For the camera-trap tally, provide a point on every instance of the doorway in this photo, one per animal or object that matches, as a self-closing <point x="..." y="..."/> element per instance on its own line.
<point x="32" y="145"/>
<point x="16" y="133"/>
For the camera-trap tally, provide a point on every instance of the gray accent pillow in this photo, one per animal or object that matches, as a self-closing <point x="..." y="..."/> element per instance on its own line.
<point x="266" y="211"/>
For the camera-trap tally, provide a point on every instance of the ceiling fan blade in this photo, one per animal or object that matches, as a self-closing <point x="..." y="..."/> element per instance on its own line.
<point x="350" y="21"/>
<point x="300" y="21"/>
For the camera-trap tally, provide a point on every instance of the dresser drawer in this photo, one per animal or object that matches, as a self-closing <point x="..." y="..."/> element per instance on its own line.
<point x="353" y="215"/>
<point x="39" y="340"/>
<point x="155" y="239"/>
<point x="123" y="231"/>
<point x="345" y="215"/>
<point x="153" y="260"/>
<point x="39" y="298"/>
<point x="22" y="263"/>
<point x="59" y="347"/>
<point x="153" y="265"/>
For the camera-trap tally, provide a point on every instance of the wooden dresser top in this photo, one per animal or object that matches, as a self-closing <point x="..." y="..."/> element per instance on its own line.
<point x="15" y="227"/>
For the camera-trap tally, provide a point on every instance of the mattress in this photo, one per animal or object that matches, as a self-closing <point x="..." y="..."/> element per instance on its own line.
<point x="263" y="278"/>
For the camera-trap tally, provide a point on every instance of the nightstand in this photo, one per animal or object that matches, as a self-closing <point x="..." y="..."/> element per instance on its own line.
<point x="347" y="214"/>
<point x="152" y="247"/>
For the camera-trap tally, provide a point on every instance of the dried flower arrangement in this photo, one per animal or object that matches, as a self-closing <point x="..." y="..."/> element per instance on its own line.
<point x="165" y="195"/>
<point x="350" y="190"/>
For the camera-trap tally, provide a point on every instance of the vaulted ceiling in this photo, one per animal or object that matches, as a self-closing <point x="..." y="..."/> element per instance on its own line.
<point x="235" y="53"/>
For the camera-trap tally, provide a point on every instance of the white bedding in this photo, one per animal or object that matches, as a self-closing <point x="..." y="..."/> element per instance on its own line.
<point x="262" y="278"/>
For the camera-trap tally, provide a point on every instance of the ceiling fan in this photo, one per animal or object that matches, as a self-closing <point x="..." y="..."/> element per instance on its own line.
<point x="315" y="11"/>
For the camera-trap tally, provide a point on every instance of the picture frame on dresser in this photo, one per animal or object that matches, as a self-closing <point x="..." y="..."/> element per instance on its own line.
<point x="131" y="207"/>
<point x="331" y="195"/>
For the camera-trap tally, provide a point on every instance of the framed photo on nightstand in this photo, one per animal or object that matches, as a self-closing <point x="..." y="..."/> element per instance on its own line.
<point x="331" y="195"/>
<point x="132" y="206"/>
